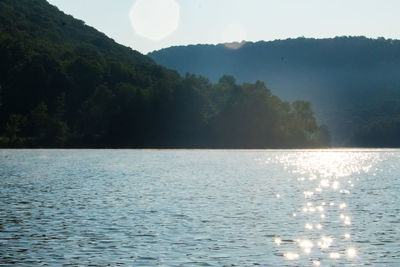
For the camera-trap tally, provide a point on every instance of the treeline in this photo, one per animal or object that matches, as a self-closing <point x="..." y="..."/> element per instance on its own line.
<point x="353" y="83"/>
<point x="192" y="114"/>
<point x="64" y="84"/>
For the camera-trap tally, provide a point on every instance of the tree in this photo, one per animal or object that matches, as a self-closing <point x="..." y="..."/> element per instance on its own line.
<point x="14" y="127"/>
<point x="304" y="113"/>
<point x="49" y="131"/>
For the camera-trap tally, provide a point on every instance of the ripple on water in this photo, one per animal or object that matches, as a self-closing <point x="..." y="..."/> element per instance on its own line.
<point x="203" y="208"/>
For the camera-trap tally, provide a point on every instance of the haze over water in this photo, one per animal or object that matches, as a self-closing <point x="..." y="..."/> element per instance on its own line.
<point x="200" y="208"/>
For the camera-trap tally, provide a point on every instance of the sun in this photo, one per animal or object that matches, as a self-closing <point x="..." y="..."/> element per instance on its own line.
<point x="155" y="19"/>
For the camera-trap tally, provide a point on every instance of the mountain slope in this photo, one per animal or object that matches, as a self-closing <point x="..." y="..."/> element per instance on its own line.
<point x="349" y="80"/>
<point x="64" y="84"/>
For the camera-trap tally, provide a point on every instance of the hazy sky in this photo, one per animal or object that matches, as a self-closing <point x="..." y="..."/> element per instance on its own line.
<point x="216" y="21"/>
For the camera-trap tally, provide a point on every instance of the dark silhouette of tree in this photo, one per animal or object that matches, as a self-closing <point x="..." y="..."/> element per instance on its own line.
<point x="72" y="86"/>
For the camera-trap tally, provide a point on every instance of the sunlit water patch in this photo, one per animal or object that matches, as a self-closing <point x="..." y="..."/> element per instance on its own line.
<point x="200" y="208"/>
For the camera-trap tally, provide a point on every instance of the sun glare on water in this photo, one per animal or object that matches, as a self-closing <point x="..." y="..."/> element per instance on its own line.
<point x="321" y="178"/>
<point x="155" y="19"/>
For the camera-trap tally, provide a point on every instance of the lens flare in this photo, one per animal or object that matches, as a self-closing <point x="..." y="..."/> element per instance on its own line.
<point x="155" y="19"/>
<point x="234" y="36"/>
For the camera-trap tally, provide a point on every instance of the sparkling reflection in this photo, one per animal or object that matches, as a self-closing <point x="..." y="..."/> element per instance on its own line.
<point x="334" y="255"/>
<point x="309" y="226"/>
<point x="197" y="208"/>
<point x="351" y="252"/>
<point x="325" y="242"/>
<point x="278" y="241"/>
<point x="316" y="262"/>
<point x="291" y="256"/>
<point x="306" y="245"/>
<point x="323" y="178"/>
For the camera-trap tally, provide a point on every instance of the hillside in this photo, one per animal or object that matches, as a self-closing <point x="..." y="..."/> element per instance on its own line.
<point x="64" y="84"/>
<point x="352" y="82"/>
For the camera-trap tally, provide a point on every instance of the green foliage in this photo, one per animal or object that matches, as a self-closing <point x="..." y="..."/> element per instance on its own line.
<point x="74" y="87"/>
<point x="303" y="112"/>
<point x="350" y="81"/>
<point x="14" y="128"/>
<point x="381" y="133"/>
<point x="324" y="136"/>
<point x="47" y="130"/>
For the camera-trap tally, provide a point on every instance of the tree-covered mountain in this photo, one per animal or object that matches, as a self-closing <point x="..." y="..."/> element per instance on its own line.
<point x="352" y="82"/>
<point x="64" y="84"/>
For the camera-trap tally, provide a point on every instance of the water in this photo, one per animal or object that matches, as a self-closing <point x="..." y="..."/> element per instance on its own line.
<point x="200" y="208"/>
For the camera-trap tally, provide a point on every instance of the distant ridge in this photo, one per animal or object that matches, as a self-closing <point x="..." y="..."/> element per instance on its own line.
<point x="352" y="82"/>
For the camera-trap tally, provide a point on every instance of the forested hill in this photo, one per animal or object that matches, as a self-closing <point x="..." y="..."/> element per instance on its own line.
<point x="64" y="84"/>
<point x="352" y="82"/>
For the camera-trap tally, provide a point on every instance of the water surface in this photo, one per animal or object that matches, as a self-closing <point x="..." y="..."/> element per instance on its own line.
<point x="200" y="207"/>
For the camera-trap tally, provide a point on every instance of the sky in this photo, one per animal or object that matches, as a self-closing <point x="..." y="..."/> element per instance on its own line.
<point x="147" y="25"/>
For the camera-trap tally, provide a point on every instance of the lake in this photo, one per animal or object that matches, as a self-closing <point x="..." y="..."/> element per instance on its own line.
<point x="200" y="207"/>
